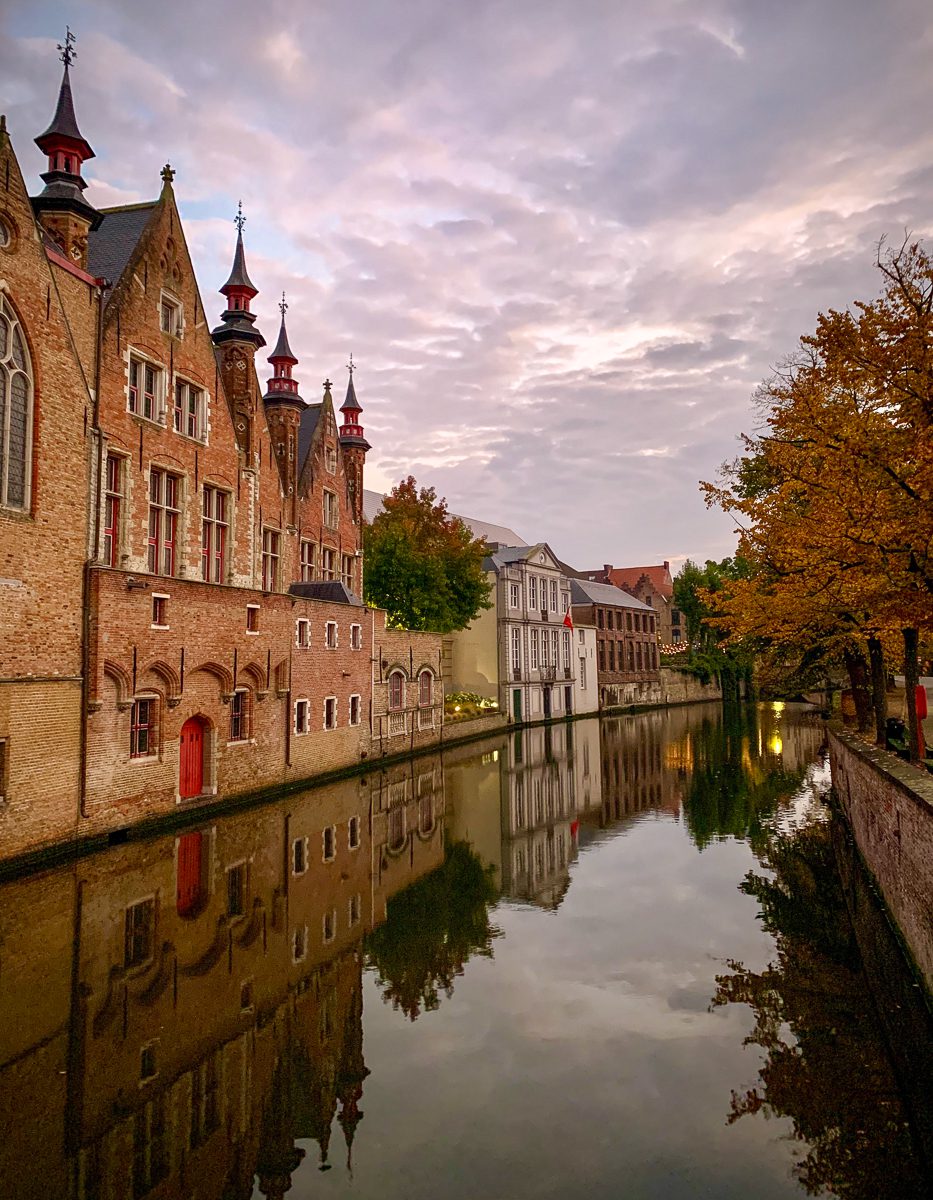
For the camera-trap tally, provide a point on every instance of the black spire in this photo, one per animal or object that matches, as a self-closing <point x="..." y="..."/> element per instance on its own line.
<point x="239" y="280"/>
<point x="282" y="388"/>
<point x="351" y="401"/>
<point x="237" y="320"/>
<point x="282" y="349"/>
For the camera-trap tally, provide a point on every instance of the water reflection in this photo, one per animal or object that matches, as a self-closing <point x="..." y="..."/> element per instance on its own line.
<point x="184" y="1016"/>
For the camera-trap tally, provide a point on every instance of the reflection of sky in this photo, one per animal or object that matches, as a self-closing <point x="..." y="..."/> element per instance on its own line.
<point x="582" y="1060"/>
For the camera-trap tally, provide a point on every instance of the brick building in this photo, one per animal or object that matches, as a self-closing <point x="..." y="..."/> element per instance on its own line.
<point x="626" y="642"/>
<point x="192" y="536"/>
<point x="654" y="586"/>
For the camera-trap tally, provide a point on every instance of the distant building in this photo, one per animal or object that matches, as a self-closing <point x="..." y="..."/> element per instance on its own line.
<point x="519" y="651"/>
<point x="654" y="586"/>
<point x="586" y="679"/>
<point x="626" y="642"/>
<point x="495" y="535"/>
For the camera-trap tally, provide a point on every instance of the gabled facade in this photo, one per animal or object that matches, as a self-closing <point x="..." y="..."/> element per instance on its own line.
<point x="519" y="651"/>
<point x="626" y="642"/>
<point x="653" y="586"/>
<point x="181" y="541"/>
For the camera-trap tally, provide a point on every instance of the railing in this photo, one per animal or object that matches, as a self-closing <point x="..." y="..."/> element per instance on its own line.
<point x="548" y="673"/>
<point x="425" y="718"/>
<point x="398" y="723"/>
<point x="568" y="673"/>
<point x="517" y="674"/>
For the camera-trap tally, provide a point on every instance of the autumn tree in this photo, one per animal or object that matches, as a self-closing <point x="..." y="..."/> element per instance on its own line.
<point x="834" y="497"/>
<point x="422" y="564"/>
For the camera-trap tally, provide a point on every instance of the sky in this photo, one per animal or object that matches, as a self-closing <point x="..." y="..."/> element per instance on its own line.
<point x="564" y="242"/>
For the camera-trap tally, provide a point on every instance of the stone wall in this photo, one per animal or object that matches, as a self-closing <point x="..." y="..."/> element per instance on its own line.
<point x="889" y="806"/>
<point x="681" y="687"/>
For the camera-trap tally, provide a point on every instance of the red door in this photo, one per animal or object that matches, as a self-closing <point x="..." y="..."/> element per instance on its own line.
<point x="191" y="769"/>
<point x="189" y="874"/>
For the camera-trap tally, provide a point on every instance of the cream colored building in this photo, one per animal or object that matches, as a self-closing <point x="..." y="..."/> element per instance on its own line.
<point x="586" y="682"/>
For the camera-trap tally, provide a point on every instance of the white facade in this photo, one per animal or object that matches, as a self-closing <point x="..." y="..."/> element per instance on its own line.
<point x="586" y="683"/>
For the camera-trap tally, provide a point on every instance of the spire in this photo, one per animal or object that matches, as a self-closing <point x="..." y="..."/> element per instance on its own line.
<point x="67" y="149"/>
<point x="239" y="290"/>
<point x="282" y="389"/>
<point x="351" y="431"/>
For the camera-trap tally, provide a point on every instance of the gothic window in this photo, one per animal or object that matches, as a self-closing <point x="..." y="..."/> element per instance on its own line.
<point x="113" y="502"/>
<point x="214" y="526"/>
<point x="16" y="392"/>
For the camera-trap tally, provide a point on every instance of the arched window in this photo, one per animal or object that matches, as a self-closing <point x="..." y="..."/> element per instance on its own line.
<point x="15" y="411"/>
<point x="425" y="688"/>
<point x="396" y="689"/>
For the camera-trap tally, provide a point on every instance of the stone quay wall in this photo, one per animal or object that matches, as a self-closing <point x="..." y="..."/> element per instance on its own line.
<point x="889" y="807"/>
<point x="682" y="687"/>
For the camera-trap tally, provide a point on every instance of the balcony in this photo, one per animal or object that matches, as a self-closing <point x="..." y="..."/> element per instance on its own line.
<point x="398" y="723"/>
<point x="568" y="673"/>
<point x="548" y="673"/>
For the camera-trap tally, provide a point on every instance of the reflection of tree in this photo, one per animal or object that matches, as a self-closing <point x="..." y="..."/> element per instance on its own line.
<point x="732" y="786"/>
<point x="830" y="1073"/>
<point x="432" y="929"/>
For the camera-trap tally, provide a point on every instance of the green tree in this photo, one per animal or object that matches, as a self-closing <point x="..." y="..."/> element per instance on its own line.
<point x="711" y="652"/>
<point x="423" y="566"/>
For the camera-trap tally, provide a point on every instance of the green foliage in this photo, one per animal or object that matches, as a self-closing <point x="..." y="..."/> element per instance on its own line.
<point x="711" y="655"/>
<point x="423" y="566"/>
<point x="431" y="930"/>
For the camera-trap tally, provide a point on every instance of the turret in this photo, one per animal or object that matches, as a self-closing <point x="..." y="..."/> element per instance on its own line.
<point x="237" y="341"/>
<point x="354" y="445"/>
<point x="283" y="407"/>
<point x="61" y="208"/>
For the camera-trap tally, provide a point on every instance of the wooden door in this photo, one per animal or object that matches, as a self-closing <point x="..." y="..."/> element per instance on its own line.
<point x="191" y="765"/>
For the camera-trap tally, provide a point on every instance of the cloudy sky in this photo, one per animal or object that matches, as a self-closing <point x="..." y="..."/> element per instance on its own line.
<point x="564" y="239"/>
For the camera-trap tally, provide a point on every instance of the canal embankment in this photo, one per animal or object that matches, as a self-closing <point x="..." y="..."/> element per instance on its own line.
<point x="889" y="807"/>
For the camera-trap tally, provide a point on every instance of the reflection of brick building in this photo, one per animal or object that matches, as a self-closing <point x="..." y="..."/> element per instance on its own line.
<point x="194" y="1003"/>
<point x="191" y="533"/>
<point x="626" y="643"/>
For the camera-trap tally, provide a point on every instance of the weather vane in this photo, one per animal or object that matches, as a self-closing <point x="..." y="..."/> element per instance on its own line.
<point x="283" y="307"/>
<point x="350" y="366"/>
<point x="67" y="52"/>
<point x="239" y="220"/>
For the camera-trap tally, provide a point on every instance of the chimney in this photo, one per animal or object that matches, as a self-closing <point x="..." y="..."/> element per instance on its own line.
<point x="667" y="566"/>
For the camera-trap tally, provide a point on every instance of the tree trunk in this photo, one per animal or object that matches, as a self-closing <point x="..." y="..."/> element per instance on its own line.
<point x="879" y="692"/>
<point x="857" y="670"/>
<point x="911" y="680"/>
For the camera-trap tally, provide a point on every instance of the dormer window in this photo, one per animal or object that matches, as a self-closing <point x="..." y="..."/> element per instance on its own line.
<point x="170" y="316"/>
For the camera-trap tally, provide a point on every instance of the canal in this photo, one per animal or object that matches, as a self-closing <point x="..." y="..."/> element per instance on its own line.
<point x="630" y="958"/>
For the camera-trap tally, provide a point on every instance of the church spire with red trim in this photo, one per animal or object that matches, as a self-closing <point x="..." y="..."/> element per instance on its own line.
<point x="282" y="388"/>
<point x="239" y="290"/>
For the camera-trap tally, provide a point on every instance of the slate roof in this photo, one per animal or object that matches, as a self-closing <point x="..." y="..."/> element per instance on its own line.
<point x="494" y="534"/>
<point x="584" y="592"/>
<point x="326" y="589"/>
<point x="239" y="278"/>
<point x="64" y="122"/>
<point x="282" y="348"/>
<point x="306" y="427"/>
<point x="110" y="247"/>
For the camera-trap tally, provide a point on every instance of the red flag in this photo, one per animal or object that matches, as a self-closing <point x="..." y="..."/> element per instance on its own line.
<point x="568" y="620"/>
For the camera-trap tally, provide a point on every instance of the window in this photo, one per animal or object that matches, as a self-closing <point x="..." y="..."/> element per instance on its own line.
<point x="565" y="602"/>
<point x="307" y="561"/>
<point x="612" y="656"/>
<point x="329" y="925"/>
<point x="301" y="716"/>
<point x="299" y="856"/>
<point x="331" y="510"/>
<point x="143" y="728"/>
<point x="545" y="660"/>
<point x="356" y="637"/>
<point x="513" y="595"/>
<point x="553" y="595"/>
<point x="396" y="689"/>
<point x="330" y="635"/>
<point x="355" y="709"/>
<point x="355" y="908"/>
<point x="236" y="890"/>
<point x="516" y="639"/>
<point x="328" y="563"/>
<point x="302" y="633"/>
<point x="163" y="521"/>
<point x="299" y="943"/>
<point x="346" y="571"/>
<point x="330" y="459"/>
<point x="160" y="610"/>
<point x="583" y="673"/>
<point x="628" y="622"/>
<point x="353" y="833"/>
<point x="150" y="1146"/>
<point x="16" y="392"/>
<point x="425" y="688"/>
<point x="555" y="646"/>
<point x="145" y="389"/>
<point x="330" y="712"/>
<point x="189" y="414"/>
<point x="532" y="591"/>
<point x="170" y="316"/>
<point x="139" y="933"/>
<point x="252" y="618"/>
<point x="271" y="543"/>
<point x="602" y="656"/>
<point x="533" y="648"/>
<point x="205" y="1109"/>
<point x="113" y="505"/>
<point x="240" y="715"/>
<point x="631" y="657"/>
<point x="214" y="525"/>
<point x="329" y="843"/>
<point x="566" y="649"/>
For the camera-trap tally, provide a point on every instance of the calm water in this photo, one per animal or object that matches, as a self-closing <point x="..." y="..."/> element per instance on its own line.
<point x="599" y="960"/>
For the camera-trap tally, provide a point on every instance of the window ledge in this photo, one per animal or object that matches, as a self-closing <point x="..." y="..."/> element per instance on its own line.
<point x="160" y="626"/>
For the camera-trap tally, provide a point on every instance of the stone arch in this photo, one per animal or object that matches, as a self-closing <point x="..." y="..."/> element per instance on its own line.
<point x="220" y="673"/>
<point x="168" y="676"/>
<point x="254" y="676"/>
<point x="280" y="676"/>
<point x="120" y="679"/>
